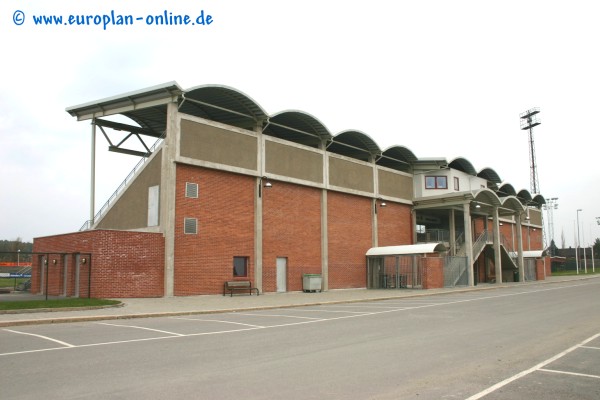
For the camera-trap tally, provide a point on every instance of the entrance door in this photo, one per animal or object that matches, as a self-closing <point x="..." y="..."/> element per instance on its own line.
<point x="281" y="274"/>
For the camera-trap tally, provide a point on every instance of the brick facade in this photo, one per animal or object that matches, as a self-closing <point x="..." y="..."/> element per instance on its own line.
<point x="292" y="230"/>
<point x="123" y="264"/>
<point x="224" y="211"/>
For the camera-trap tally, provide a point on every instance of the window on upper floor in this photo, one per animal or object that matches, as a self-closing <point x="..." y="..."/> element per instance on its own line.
<point x="456" y="183"/>
<point x="436" y="182"/>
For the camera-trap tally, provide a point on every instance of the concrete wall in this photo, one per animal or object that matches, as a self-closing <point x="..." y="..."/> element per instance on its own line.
<point x="130" y="210"/>
<point x="218" y="145"/>
<point x="293" y="161"/>
<point x="395" y="184"/>
<point x="352" y="175"/>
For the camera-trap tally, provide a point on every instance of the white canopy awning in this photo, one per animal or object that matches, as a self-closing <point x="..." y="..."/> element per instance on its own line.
<point x="530" y="254"/>
<point x="422" y="248"/>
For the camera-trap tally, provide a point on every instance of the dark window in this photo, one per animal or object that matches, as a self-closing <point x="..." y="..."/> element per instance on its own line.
<point x="436" y="182"/>
<point x="190" y="226"/>
<point x="191" y="190"/>
<point x="240" y="266"/>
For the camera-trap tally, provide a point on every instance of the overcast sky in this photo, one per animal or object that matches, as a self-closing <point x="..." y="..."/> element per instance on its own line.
<point x="443" y="78"/>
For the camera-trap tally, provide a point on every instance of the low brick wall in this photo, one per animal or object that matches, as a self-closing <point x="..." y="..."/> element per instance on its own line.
<point x="433" y="272"/>
<point x="123" y="264"/>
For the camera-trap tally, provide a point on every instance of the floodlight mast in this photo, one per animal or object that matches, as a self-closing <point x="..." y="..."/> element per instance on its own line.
<point x="529" y="119"/>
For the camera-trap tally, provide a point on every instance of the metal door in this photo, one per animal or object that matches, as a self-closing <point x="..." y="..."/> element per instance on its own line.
<point x="281" y="274"/>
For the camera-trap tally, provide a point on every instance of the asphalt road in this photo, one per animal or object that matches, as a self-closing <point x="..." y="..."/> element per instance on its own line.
<point x="534" y="342"/>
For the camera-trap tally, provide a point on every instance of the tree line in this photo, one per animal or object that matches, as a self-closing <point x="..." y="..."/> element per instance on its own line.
<point x="9" y="247"/>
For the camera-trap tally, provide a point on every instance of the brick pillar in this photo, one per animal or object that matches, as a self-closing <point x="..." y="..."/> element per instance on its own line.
<point x="433" y="272"/>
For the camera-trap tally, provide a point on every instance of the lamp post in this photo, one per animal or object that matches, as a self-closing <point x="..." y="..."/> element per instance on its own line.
<point x="576" y="247"/>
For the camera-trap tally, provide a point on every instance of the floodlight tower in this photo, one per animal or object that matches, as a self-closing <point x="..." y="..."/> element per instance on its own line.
<point x="551" y="204"/>
<point x="529" y="119"/>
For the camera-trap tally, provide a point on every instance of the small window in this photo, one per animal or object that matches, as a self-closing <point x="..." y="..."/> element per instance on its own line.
<point x="191" y="190"/>
<point x="456" y="183"/>
<point x="436" y="182"/>
<point x="240" y="266"/>
<point x="190" y="226"/>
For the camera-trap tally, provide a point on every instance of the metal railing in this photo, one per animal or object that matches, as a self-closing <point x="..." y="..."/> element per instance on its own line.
<point x="88" y="224"/>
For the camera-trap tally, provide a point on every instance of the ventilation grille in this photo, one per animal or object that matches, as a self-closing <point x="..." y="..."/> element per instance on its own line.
<point x="191" y="190"/>
<point x="190" y="226"/>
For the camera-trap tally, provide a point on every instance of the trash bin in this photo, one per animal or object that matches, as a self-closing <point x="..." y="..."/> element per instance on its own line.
<point x="312" y="283"/>
<point x="516" y="276"/>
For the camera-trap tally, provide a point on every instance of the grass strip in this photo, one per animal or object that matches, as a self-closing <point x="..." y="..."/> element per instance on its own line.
<point x="55" y="303"/>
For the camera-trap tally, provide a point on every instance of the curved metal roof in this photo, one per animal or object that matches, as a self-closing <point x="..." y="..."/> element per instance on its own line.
<point x="354" y="144"/>
<point x="489" y="175"/>
<point x="539" y="200"/>
<point x="297" y="126"/>
<point x="524" y="196"/>
<point x="512" y="203"/>
<point x="506" y="189"/>
<point x="423" y="248"/>
<point x="222" y="104"/>
<point x="464" y="165"/>
<point x="487" y="196"/>
<point x="397" y="157"/>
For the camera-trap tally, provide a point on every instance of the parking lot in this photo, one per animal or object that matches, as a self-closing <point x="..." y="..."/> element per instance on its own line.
<point x="465" y="345"/>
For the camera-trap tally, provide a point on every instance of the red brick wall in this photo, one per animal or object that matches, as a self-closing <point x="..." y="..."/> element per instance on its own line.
<point x="539" y="269"/>
<point x="433" y="272"/>
<point x="291" y="229"/>
<point x="394" y="225"/>
<point x="123" y="263"/>
<point x="349" y="237"/>
<point x="225" y="213"/>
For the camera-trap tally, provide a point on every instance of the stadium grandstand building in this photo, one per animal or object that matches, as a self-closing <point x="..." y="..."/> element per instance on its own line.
<point x="229" y="192"/>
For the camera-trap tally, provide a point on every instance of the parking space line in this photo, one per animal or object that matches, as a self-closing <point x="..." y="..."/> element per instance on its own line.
<point x="530" y="370"/>
<point x="217" y="320"/>
<point x="334" y="311"/>
<point x="277" y="315"/>
<point x="41" y="337"/>
<point x="141" y="327"/>
<point x="569" y="373"/>
<point x="590" y="347"/>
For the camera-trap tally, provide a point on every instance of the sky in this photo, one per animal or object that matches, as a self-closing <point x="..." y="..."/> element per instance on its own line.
<point x="442" y="78"/>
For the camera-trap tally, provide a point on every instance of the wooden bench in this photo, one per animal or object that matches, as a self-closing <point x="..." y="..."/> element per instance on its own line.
<point x="239" y="286"/>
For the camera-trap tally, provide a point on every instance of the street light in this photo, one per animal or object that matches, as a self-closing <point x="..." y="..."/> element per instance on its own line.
<point x="576" y="247"/>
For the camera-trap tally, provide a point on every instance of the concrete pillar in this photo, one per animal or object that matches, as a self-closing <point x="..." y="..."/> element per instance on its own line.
<point x="468" y="242"/>
<point x="452" y="224"/>
<point x="497" y="254"/>
<point x="258" y="211"/>
<point x="324" y="242"/>
<point x="167" y="195"/>
<point x="324" y="220"/>
<point x="520" y="261"/>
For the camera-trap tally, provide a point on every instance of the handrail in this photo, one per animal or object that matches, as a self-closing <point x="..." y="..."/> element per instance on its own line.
<point x="88" y="224"/>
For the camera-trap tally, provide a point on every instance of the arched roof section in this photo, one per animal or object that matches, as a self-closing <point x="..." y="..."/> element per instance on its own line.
<point x="524" y="196"/>
<point x="506" y="189"/>
<point x="464" y="165"/>
<point x="487" y="196"/>
<point x="297" y="126"/>
<point x="512" y="203"/>
<point x="354" y="144"/>
<point x="397" y="157"/>
<point x="539" y="200"/>
<point x="222" y="104"/>
<point x="489" y="175"/>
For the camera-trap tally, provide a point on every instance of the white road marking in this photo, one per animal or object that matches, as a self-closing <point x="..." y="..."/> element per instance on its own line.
<point x="569" y="373"/>
<point x="530" y="370"/>
<point x="277" y="315"/>
<point x="217" y="320"/>
<point x="141" y="327"/>
<point x="42" y="337"/>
